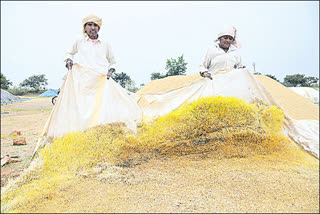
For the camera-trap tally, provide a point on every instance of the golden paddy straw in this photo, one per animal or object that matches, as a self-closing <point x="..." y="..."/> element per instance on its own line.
<point x="206" y="125"/>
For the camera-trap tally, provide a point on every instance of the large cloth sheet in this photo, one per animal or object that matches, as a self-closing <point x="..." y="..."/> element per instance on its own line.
<point x="238" y="83"/>
<point x="88" y="99"/>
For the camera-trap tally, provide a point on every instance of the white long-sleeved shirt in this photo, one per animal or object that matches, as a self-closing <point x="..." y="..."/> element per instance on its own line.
<point x="97" y="55"/>
<point x="217" y="59"/>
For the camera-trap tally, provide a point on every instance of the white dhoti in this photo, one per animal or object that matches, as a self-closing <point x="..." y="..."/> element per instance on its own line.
<point x="88" y="99"/>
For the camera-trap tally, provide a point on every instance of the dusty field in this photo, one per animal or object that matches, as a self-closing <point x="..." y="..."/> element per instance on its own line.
<point x="283" y="182"/>
<point x="29" y="117"/>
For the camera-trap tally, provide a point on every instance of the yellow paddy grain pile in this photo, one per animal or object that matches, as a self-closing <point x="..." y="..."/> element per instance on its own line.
<point x="220" y="127"/>
<point x="297" y="106"/>
<point x="168" y="83"/>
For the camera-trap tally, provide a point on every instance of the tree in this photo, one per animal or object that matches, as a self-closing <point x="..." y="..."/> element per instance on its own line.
<point x="123" y="79"/>
<point x="155" y="76"/>
<point x="5" y="83"/>
<point x="299" y="80"/>
<point x="35" y="82"/>
<point x="131" y="86"/>
<point x="272" y="77"/>
<point x="176" y="67"/>
<point x="312" y="81"/>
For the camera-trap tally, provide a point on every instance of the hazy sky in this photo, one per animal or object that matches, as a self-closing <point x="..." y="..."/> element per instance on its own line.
<point x="280" y="37"/>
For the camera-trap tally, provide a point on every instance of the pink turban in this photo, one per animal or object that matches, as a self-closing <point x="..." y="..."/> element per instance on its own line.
<point x="230" y="31"/>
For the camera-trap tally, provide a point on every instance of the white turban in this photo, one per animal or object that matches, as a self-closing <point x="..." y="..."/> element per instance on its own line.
<point x="230" y="31"/>
<point x="91" y="18"/>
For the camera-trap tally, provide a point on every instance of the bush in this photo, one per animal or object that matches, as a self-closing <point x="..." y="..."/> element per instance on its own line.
<point x="18" y="91"/>
<point x="5" y="83"/>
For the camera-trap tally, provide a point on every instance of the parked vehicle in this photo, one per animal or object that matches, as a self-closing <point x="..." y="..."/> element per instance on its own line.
<point x="54" y="99"/>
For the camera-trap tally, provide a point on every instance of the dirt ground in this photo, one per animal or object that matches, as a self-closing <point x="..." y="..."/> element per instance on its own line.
<point x="286" y="182"/>
<point x="28" y="117"/>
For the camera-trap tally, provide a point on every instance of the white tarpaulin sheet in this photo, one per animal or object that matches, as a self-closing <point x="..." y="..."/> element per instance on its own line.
<point x="238" y="83"/>
<point x="88" y="99"/>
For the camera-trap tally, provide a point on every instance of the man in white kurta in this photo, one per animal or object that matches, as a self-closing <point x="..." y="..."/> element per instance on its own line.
<point x="217" y="59"/>
<point x="88" y="96"/>
<point x="223" y="54"/>
<point x="96" y="54"/>
<point x="91" y="50"/>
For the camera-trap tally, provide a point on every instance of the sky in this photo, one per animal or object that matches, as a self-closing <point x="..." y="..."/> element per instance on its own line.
<point x="280" y="37"/>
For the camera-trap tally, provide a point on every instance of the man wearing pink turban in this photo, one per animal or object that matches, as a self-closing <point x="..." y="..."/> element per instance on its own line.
<point x="222" y="55"/>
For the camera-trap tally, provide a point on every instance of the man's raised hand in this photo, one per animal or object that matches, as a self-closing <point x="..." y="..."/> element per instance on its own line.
<point x="109" y="74"/>
<point x="69" y="64"/>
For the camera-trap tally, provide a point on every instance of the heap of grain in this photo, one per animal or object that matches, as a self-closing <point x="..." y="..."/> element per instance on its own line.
<point x="168" y="84"/>
<point x="297" y="106"/>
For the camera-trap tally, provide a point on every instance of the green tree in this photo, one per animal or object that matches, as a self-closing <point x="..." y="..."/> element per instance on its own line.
<point x="35" y="82"/>
<point x="312" y="81"/>
<point x="272" y="77"/>
<point x="123" y="79"/>
<point x="299" y="80"/>
<point x="176" y="67"/>
<point x="5" y="83"/>
<point x="131" y="86"/>
<point x="155" y="76"/>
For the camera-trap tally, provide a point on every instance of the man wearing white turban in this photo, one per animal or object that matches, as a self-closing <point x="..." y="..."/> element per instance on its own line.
<point x="92" y="51"/>
<point x="88" y="96"/>
<point x="223" y="53"/>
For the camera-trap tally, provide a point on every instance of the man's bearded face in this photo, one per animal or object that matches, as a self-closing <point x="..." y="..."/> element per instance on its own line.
<point x="92" y="29"/>
<point x="225" y="41"/>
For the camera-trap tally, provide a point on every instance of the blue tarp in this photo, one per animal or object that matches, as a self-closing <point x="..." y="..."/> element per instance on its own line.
<point x="49" y="93"/>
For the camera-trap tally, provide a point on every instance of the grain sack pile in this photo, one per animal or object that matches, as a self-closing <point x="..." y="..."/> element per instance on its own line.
<point x="155" y="100"/>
